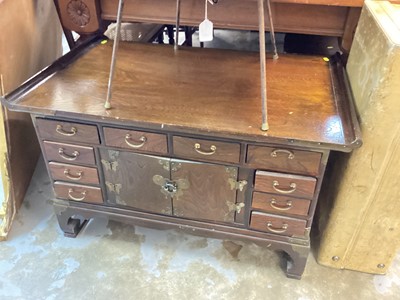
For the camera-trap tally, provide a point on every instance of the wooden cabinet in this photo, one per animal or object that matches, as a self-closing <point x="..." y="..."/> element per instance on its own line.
<point x="168" y="186"/>
<point x="190" y="156"/>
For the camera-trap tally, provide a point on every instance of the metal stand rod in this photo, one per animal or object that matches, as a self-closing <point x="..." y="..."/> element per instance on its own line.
<point x="272" y="30"/>
<point x="107" y="105"/>
<point x="178" y="17"/>
<point x="263" y="67"/>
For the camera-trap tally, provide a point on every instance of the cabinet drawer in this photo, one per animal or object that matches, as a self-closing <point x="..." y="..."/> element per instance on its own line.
<point x="278" y="225"/>
<point x="206" y="149"/>
<point x="77" y="192"/>
<point x="69" y="153"/>
<point x="280" y="204"/>
<point x="284" y="160"/>
<point x="78" y="174"/>
<point x="66" y="131"/>
<point x="136" y="140"/>
<point x="284" y="184"/>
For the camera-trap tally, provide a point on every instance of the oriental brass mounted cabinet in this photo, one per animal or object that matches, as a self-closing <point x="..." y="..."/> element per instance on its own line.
<point x="172" y="187"/>
<point x="190" y="156"/>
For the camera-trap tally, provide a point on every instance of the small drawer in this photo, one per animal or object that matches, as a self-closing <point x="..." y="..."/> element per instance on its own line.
<point x="66" y="131"/>
<point x="284" y="160"/>
<point x="284" y="184"/>
<point x="69" y="153"/>
<point x="278" y="225"/>
<point x="282" y="205"/>
<point x="77" y="192"/>
<point x="206" y="149"/>
<point x="136" y="140"/>
<point x="78" y="174"/>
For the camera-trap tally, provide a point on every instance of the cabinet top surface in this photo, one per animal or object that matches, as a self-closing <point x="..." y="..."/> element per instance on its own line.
<point x="196" y="90"/>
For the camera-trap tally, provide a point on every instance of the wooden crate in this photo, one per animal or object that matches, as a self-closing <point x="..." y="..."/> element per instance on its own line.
<point x="362" y="231"/>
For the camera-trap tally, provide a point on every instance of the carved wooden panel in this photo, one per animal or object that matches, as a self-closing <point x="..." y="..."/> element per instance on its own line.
<point x="81" y="16"/>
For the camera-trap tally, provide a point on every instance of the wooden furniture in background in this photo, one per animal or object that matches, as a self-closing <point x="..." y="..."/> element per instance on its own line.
<point x="29" y="41"/>
<point x="332" y="18"/>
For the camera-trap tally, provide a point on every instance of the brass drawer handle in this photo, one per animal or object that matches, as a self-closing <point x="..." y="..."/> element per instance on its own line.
<point x="197" y="147"/>
<point x="275" y="185"/>
<point x="143" y="140"/>
<point x="61" y="131"/>
<point x="70" y="196"/>
<point x="76" y="177"/>
<point x="71" y="157"/>
<point x="277" y="230"/>
<point x="288" y="152"/>
<point x="274" y="205"/>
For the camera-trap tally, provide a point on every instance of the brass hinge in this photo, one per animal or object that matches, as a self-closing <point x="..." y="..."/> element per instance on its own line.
<point x="110" y="165"/>
<point x="112" y="187"/>
<point x="237" y="185"/>
<point x="237" y="207"/>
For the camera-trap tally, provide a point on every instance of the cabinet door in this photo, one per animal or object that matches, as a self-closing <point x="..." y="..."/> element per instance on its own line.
<point x="207" y="191"/>
<point x="130" y="182"/>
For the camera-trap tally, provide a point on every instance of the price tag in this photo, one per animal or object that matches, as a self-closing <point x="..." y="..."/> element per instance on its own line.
<point x="206" y="31"/>
<point x="206" y="28"/>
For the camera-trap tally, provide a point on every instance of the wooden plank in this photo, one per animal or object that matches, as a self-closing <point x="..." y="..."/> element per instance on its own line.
<point x="362" y="232"/>
<point x="213" y="91"/>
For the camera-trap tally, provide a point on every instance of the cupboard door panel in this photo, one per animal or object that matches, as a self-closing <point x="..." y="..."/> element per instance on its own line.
<point x="129" y="180"/>
<point x="207" y="194"/>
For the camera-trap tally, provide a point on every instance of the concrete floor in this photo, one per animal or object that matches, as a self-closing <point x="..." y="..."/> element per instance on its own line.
<point x="109" y="260"/>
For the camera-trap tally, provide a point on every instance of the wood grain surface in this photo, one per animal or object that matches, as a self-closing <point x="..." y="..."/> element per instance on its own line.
<point x="284" y="159"/>
<point x="134" y="173"/>
<point x="209" y="196"/>
<point x="151" y="142"/>
<point x="70" y="191"/>
<point x="202" y="90"/>
<point x="72" y="154"/>
<point x="72" y="173"/>
<point x="282" y="205"/>
<point x="295" y="227"/>
<point x="304" y="186"/>
<point x="226" y="152"/>
<point x="66" y="131"/>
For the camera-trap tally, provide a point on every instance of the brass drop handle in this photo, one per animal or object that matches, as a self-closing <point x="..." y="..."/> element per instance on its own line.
<point x="61" y="131"/>
<point x="76" y="177"/>
<point x="275" y="185"/>
<point x="143" y="140"/>
<point x="277" y="230"/>
<point x="73" y="156"/>
<point x="70" y="196"/>
<point x="274" y="205"/>
<point x="289" y="153"/>
<point x="197" y="147"/>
